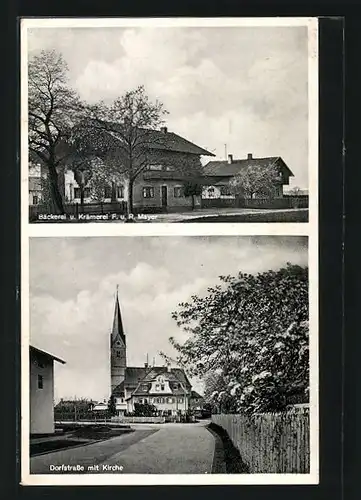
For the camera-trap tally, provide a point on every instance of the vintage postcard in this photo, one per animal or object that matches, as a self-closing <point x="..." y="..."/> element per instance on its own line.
<point x="168" y="120"/>
<point x="158" y="352"/>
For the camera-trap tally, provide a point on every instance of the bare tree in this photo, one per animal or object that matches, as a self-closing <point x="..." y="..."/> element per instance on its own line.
<point x="53" y="108"/>
<point x="123" y="134"/>
<point x="256" y="180"/>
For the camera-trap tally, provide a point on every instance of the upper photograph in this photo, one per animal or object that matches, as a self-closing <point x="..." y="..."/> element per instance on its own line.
<point x="167" y="120"/>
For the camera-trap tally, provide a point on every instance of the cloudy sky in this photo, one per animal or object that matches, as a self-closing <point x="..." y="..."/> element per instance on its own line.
<point x="73" y="283"/>
<point x="241" y="86"/>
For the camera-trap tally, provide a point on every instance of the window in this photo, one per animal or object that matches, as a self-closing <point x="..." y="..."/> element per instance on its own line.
<point x="118" y="354"/>
<point x="178" y="192"/>
<point x="35" y="200"/>
<point x="120" y="191"/>
<point x="175" y="386"/>
<point x="140" y="400"/>
<point x="40" y="382"/>
<point x="169" y="168"/>
<point x="77" y="193"/>
<point x="107" y="192"/>
<point x="155" y="167"/>
<point x="162" y="386"/>
<point x="225" y="190"/>
<point x="180" y="400"/>
<point x="148" y="192"/>
<point x="144" y="387"/>
<point x="170" y="400"/>
<point x="157" y="387"/>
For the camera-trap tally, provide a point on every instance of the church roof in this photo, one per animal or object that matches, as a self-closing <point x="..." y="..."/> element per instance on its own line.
<point x="117" y="329"/>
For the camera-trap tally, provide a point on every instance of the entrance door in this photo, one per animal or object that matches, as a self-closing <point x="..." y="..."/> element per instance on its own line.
<point x="164" y="196"/>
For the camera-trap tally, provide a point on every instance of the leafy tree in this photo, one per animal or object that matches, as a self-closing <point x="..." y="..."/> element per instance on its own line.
<point x="144" y="410"/>
<point x="122" y="134"/>
<point x="255" y="181"/>
<point x="193" y="188"/>
<point x="112" y="408"/>
<point x="53" y="109"/>
<point x="253" y="331"/>
<point x="101" y="180"/>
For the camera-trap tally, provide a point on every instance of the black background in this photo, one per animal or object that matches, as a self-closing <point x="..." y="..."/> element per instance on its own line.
<point x="339" y="355"/>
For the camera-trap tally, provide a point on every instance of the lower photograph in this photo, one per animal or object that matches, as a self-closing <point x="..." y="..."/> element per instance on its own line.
<point x="169" y="356"/>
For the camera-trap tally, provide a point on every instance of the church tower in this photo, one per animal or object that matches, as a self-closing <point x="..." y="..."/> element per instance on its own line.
<point x="118" y="351"/>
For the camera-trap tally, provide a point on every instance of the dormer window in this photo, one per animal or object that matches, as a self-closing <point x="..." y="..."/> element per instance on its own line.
<point x="157" y="387"/>
<point x="162" y="386"/>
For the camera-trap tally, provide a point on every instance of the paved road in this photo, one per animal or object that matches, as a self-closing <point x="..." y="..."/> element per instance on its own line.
<point x="151" y="448"/>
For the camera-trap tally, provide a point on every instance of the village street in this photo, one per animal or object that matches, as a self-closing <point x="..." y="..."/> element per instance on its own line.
<point x="151" y="448"/>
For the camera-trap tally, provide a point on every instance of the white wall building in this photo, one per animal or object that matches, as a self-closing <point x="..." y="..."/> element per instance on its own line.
<point x="42" y="391"/>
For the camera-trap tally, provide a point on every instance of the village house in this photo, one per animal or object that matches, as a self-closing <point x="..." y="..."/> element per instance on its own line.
<point x="42" y="391"/>
<point x="218" y="175"/>
<point x="172" y="160"/>
<point x="165" y="387"/>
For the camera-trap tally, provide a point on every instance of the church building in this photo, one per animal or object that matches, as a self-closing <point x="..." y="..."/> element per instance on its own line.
<point x="166" y="388"/>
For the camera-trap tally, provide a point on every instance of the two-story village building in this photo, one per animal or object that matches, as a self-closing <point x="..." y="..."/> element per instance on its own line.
<point x="165" y="387"/>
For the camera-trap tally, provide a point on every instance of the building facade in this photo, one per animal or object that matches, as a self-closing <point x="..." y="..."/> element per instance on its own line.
<point x="42" y="391"/>
<point x="219" y="174"/>
<point x="168" y="389"/>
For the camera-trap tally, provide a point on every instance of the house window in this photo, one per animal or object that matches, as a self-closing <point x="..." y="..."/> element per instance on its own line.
<point x="225" y="190"/>
<point x="120" y="191"/>
<point x="169" y="168"/>
<point x="144" y="387"/>
<point x="170" y="400"/>
<point x="107" y="192"/>
<point x="178" y="192"/>
<point x="157" y="387"/>
<point x="162" y="386"/>
<point x="175" y="386"/>
<point x="40" y="382"/>
<point x="155" y="167"/>
<point x="140" y="400"/>
<point x="77" y="193"/>
<point x="148" y="192"/>
<point x="35" y="200"/>
<point x="180" y="400"/>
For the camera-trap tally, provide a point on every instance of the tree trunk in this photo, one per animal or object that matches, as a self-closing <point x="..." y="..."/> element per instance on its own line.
<point x="82" y="188"/>
<point x="192" y="201"/>
<point x="113" y="197"/>
<point x="54" y="189"/>
<point x="130" y="197"/>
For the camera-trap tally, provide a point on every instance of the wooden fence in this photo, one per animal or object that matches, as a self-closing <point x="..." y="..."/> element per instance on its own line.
<point x="270" y="442"/>
<point x="287" y="202"/>
<point x="138" y="420"/>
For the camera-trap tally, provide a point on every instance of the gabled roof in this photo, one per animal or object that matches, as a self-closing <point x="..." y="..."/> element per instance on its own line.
<point x="221" y="168"/>
<point x="36" y="351"/>
<point x="119" y="390"/>
<point x="195" y="395"/>
<point x="136" y="375"/>
<point x="163" y="140"/>
<point x="169" y="141"/>
<point x="117" y="329"/>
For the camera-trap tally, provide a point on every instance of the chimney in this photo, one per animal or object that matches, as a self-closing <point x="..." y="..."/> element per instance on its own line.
<point x="230" y="159"/>
<point x="164" y="130"/>
<point x="249" y="156"/>
<point x="168" y="367"/>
